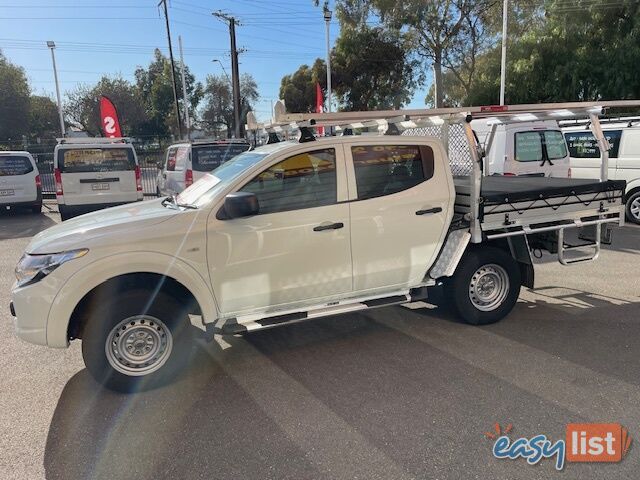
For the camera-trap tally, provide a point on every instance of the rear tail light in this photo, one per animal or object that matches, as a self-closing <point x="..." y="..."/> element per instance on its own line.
<point x="569" y="173"/>
<point x="38" y="182"/>
<point x="138" y="179"/>
<point x="188" y="178"/>
<point x="509" y="174"/>
<point x="58" y="176"/>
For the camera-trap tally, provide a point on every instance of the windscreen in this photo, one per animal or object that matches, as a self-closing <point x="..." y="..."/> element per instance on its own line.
<point x="206" y="158"/>
<point x="11" y="165"/>
<point x="79" y="160"/>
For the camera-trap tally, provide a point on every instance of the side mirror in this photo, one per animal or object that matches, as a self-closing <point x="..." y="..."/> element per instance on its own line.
<point x="241" y="204"/>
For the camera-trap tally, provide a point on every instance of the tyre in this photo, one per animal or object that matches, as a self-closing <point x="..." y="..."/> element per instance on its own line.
<point x="36" y="208"/>
<point x="485" y="286"/>
<point x="633" y="208"/>
<point x="137" y="340"/>
<point x="64" y="214"/>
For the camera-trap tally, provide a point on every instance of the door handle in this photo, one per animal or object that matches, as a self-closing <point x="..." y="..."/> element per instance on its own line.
<point x="329" y="226"/>
<point x="429" y="211"/>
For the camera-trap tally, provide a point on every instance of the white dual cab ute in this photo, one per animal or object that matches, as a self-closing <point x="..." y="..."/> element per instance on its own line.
<point x="299" y="230"/>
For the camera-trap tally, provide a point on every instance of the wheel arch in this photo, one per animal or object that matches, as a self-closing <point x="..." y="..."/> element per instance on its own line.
<point x="135" y="268"/>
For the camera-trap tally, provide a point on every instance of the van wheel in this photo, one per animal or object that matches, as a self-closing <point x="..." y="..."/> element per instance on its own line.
<point x="633" y="208"/>
<point x="137" y="340"/>
<point x="36" y="208"/>
<point x="485" y="286"/>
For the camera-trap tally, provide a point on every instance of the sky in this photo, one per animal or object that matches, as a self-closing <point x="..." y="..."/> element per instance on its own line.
<point x="110" y="37"/>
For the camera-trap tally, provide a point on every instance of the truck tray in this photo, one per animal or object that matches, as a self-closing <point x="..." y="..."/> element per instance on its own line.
<point x="508" y="202"/>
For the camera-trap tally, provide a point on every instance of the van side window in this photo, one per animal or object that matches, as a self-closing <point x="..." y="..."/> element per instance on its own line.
<point x="171" y="159"/>
<point x="387" y="169"/>
<point x="584" y="144"/>
<point x="306" y="180"/>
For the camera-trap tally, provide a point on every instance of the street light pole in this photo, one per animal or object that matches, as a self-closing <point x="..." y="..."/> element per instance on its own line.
<point x="52" y="46"/>
<point x="503" y="68"/>
<point x="327" y="19"/>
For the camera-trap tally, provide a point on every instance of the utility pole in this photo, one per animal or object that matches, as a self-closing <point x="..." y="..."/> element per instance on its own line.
<point x="52" y="46"/>
<point x="235" y="76"/>
<point x="185" y="98"/>
<point x="173" y="68"/>
<point x="503" y="67"/>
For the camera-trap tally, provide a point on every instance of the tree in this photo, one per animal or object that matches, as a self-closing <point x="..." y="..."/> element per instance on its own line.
<point x="14" y="100"/>
<point x="298" y="90"/>
<point x="154" y="85"/>
<point x="372" y="69"/>
<point x="217" y="113"/>
<point x="82" y="106"/>
<point x="43" y="117"/>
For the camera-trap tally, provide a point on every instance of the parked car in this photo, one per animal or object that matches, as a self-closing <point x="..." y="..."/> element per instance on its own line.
<point x="290" y="232"/>
<point x="535" y="148"/>
<point x="20" y="184"/>
<point x="186" y="163"/>
<point x="624" y="158"/>
<point x="95" y="173"/>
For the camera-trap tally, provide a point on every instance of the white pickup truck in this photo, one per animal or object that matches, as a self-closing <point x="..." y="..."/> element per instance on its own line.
<point x="294" y="231"/>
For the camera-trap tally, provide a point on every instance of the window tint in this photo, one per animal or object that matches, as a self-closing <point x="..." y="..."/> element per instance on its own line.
<point x="386" y="169"/>
<point x="303" y="181"/>
<point x="584" y="144"/>
<point x="80" y="160"/>
<point x="528" y="147"/>
<point x="555" y="144"/>
<point x="11" y="165"/>
<point x="207" y="158"/>
<point x="171" y="159"/>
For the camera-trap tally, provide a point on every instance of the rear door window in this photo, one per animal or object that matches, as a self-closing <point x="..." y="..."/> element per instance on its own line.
<point x="207" y="158"/>
<point x="387" y="169"/>
<point x="85" y="160"/>
<point x="528" y="147"/>
<point x="171" y="159"/>
<point x="12" y="165"/>
<point x="555" y="144"/>
<point x="182" y="155"/>
<point x="584" y="144"/>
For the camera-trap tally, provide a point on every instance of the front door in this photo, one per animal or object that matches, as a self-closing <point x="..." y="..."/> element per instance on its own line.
<point x="401" y="213"/>
<point x="296" y="251"/>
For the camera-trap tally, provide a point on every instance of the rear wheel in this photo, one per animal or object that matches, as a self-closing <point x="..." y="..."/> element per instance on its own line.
<point x="137" y="340"/>
<point x="633" y="208"/>
<point x="485" y="287"/>
<point x="36" y="208"/>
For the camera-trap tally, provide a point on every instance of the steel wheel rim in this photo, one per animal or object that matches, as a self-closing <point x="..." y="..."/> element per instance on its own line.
<point x="634" y="208"/>
<point x="489" y="287"/>
<point x="138" y="345"/>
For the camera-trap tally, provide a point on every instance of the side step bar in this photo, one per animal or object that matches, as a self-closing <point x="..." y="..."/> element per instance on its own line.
<point x="252" y="323"/>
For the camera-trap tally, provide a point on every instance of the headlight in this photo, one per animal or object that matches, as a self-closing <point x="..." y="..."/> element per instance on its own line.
<point x="33" y="268"/>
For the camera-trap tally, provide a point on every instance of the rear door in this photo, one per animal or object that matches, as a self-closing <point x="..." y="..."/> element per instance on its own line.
<point x="176" y="167"/>
<point x="98" y="174"/>
<point x="17" y="179"/>
<point x="585" y="154"/>
<point x="401" y="207"/>
<point x="538" y="152"/>
<point x="206" y="158"/>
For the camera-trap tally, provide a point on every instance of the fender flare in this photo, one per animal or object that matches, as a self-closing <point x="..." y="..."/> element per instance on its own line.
<point x="106" y="268"/>
<point x="632" y="185"/>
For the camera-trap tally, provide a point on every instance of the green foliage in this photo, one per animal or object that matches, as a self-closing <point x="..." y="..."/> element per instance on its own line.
<point x="14" y="101"/>
<point x="217" y="114"/>
<point x="43" y="117"/>
<point x="299" y="89"/>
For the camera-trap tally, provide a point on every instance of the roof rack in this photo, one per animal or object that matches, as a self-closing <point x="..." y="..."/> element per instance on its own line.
<point x="91" y="140"/>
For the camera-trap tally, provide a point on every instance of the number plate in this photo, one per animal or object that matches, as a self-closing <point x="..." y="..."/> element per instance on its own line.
<point x="6" y="193"/>
<point x="100" y="186"/>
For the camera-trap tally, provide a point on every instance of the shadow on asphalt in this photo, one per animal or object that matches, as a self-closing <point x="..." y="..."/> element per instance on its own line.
<point x="21" y="223"/>
<point x="279" y="403"/>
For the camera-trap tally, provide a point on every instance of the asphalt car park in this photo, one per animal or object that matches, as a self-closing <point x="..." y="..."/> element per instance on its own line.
<point x="397" y="392"/>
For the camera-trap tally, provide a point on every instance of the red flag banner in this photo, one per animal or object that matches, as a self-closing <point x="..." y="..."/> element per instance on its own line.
<point x="109" y="118"/>
<point x="319" y="106"/>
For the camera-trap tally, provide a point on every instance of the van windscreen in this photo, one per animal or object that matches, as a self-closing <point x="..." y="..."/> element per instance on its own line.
<point x="79" y="160"/>
<point x="207" y="158"/>
<point x="11" y="165"/>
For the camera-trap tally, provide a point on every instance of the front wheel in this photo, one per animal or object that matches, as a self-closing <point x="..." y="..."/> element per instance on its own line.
<point x="485" y="286"/>
<point x="633" y="208"/>
<point x="137" y="340"/>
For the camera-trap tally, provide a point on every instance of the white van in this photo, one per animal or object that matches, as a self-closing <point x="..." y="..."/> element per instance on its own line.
<point x="624" y="158"/>
<point x="535" y="148"/>
<point x="20" y="181"/>
<point x="95" y="173"/>
<point x="186" y="163"/>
